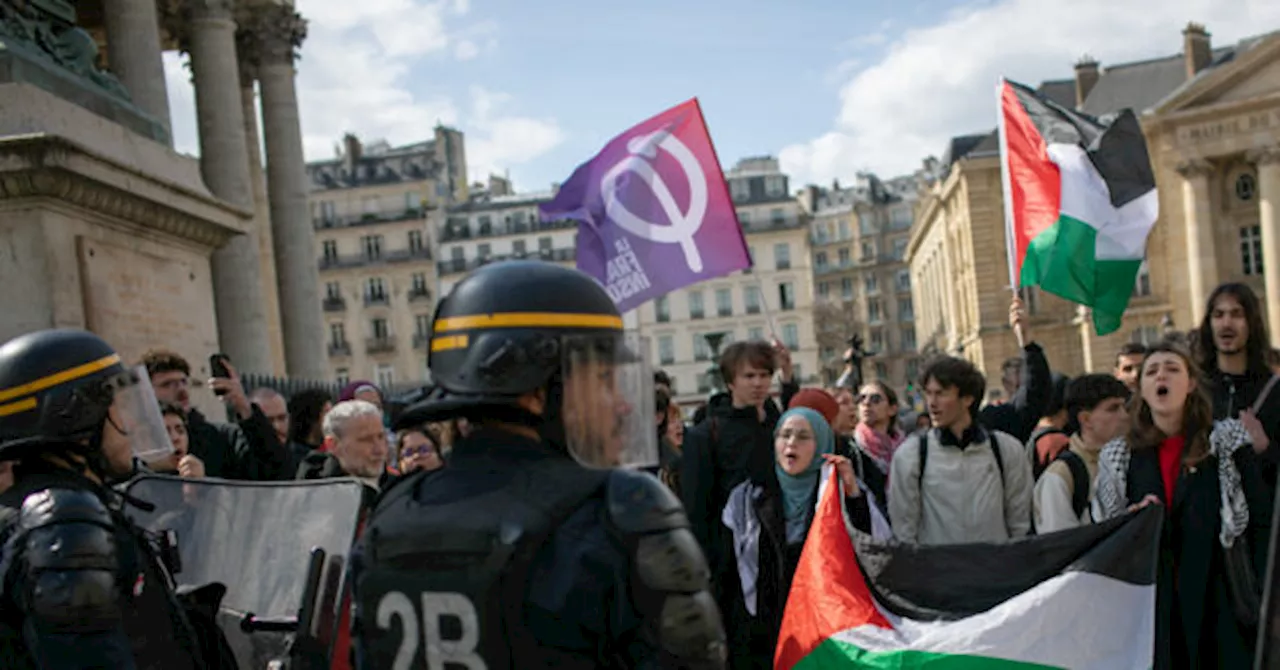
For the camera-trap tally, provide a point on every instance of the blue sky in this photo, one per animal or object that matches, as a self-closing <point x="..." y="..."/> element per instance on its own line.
<point x="830" y="86"/>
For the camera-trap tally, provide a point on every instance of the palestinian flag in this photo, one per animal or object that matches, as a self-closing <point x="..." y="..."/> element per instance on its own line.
<point x="1080" y="200"/>
<point x="1083" y="598"/>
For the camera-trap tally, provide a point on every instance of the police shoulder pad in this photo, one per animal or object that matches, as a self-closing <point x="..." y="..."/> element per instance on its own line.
<point x="639" y="503"/>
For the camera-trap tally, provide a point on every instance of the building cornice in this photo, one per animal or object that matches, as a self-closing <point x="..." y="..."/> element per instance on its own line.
<point x="40" y="165"/>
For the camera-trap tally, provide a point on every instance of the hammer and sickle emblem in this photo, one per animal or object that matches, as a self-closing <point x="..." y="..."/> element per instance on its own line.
<point x="683" y="225"/>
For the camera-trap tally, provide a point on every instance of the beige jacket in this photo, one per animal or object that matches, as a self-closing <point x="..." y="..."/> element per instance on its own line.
<point x="1052" y="497"/>
<point x="963" y="498"/>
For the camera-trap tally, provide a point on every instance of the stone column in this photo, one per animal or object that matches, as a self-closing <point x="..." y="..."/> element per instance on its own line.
<point x="261" y="212"/>
<point x="133" y="50"/>
<point x="280" y="31"/>
<point x="1197" y="213"/>
<point x="1268" y="161"/>
<point x="207" y="31"/>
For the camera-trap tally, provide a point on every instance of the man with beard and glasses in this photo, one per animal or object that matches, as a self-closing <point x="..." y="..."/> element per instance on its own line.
<point x="1233" y="346"/>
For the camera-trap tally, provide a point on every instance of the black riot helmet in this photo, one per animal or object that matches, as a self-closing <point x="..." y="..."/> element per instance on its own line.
<point x="516" y="327"/>
<point x="57" y="387"/>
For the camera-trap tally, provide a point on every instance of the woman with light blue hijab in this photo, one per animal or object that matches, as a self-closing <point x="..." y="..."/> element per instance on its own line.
<point x="769" y="517"/>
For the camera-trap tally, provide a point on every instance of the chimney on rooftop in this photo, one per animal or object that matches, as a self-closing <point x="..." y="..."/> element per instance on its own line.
<point x="351" y="150"/>
<point x="1197" y="51"/>
<point x="1086" y="77"/>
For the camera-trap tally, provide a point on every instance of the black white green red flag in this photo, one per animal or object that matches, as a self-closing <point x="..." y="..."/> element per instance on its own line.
<point x="1083" y="598"/>
<point x="1080" y="200"/>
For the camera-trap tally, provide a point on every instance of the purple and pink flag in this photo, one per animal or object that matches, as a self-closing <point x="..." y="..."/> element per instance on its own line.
<point x="653" y="209"/>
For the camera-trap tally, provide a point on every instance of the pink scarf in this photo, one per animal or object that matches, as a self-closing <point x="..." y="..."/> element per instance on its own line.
<point x="878" y="445"/>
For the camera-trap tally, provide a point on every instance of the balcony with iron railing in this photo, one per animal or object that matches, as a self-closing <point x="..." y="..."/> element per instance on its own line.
<point x="374" y="299"/>
<point x="457" y="229"/>
<point x="372" y="218"/>
<point x="421" y="340"/>
<point x="344" y="261"/>
<point x="334" y="304"/>
<point x="458" y="265"/>
<point x="418" y="294"/>
<point x="338" y="349"/>
<point x="380" y="345"/>
<point x="771" y="225"/>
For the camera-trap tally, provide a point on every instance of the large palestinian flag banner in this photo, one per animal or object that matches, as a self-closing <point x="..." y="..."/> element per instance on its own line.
<point x="1079" y="599"/>
<point x="1080" y="199"/>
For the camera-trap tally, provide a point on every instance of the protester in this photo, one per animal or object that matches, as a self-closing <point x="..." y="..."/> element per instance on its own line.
<point x="359" y="446"/>
<point x="306" y="417"/>
<point x="1052" y="434"/>
<point x="1233" y="347"/>
<point x="959" y="482"/>
<point x="1095" y="406"/>
<point x="768" y="517"/>
<point x="1129" y="364"/>
<point x="876" y="437"/>
<point x="417" y="449"/>
<point x="1176" y="455"/>
<point x="1018" y="416"/>
<point x="181" y="462"/>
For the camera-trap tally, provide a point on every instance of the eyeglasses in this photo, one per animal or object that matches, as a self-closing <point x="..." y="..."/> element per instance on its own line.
<point x="414" y="452"/>
<point x="869" y="398"/>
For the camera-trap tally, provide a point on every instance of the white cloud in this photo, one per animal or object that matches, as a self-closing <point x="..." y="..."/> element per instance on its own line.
<point x="939" y="81"/>
<point x="355" y="73"/>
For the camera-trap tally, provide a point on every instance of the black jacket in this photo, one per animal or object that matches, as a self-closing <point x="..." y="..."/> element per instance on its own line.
<point x="1233" y="394"/>
<point x="1019" y="416"/>
<point x="247" y="450"/>
<point x="1195" y="623"/>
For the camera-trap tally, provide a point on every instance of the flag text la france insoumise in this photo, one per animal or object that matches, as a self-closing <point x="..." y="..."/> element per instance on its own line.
<point x="625" y="277"/>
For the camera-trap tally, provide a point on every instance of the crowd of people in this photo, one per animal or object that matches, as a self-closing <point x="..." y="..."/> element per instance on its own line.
<point x="1189" y="423"/>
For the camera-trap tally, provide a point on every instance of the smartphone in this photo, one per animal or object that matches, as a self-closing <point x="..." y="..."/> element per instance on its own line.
<point x="218" y="368"/>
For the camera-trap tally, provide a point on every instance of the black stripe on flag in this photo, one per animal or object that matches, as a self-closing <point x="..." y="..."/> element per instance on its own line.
<point x="1114" y="143"/>
<point x="949" y="582"/>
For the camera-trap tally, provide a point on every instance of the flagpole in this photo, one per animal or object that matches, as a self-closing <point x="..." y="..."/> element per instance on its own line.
<point x="764" y="304"/>
<point x="1006" y="183"/>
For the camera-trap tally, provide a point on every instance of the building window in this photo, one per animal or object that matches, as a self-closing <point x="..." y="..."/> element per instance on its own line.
<point x="666" y="350"/>
<point x="422" y="325"/>
<point x="544" y="244"/>
<point x="824" y="289"/>
<point x="791" y="336"/>
<point x="782" y="256"/>
<point x="419" y="283"/>
<point x="776" y="215"/>
<point x="786" y="296"/>
<point x="739" y="189"/>
<point x="457" y="253"/>
<point x="411" y="201"/>
<point x="1147" y="335"/>
<point x="913" y="370"/>
<point x="873" y="311"/>
<point x="327" y="212"/>
<point x="342" y="376"/>
<point x="755" y="334"/>
<point x="870" y="285"/>
<point x="1142" y="282"/>
<point x="333" y="291"/>
<point x="724" y="302"/>
<point x="1030" y="298"/>
<point x="751" y="256"/>
<point x="483" y="250"/>
<point x="908" y="339"/>
<point x="866" y="224"/>
<point x="484" y="225"/>
<point x="330" y="250"/>
<point x="518" y="248"/>
<point x="906" y="311"/>
<point x="820" y="261"/>
<point x="844" y="231"/>
<point x="375" y="290"/>
<point x="868" y="251"/>
<point x="775" y="187"/>
<point x="882" y="371"/>
<point x="846" y="288"/>
<point x="744" y="217"/>
<point x="1251" y="250"/>
<point x="1246" y="187"/>
<point x="903" y="280"/>
<point x="386" y="375"/>
<point x="380" y="329"/>
<point x="751" y="299"/>
<point x="704" y="382"/>
<point x="696" y="310"/>
<point x="372" y="246"/>
<point x="843" y="256"/>
<point x="415" y="241"/>
<point x="899" y="248"/>
<point x="701" y="350"/>
<point x="877" y="340"/>
<point x="337" y="334"/>
<point x="900" y="217"/>
<point x="662" y="309"/>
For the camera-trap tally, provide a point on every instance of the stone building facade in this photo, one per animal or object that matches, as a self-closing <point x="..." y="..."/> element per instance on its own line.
<point x="374" y="209"/>
<point x="110" y="229"/>
<point x="859" y="236"/>
<point x="1212" y="123"/>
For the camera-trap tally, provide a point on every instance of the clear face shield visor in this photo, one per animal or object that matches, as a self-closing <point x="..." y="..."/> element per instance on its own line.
<point x="609" y="400"/>
<point x="135" y="412"/>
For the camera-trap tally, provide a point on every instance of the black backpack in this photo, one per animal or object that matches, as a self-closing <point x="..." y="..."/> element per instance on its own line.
<point x="1037" y="468"/>
<point x="1079" y="479"/>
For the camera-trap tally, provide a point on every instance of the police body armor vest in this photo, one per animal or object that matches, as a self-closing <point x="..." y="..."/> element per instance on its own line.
<point x="443" y="584"/>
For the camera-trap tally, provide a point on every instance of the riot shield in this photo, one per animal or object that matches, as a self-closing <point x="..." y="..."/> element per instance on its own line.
<point x="274" y="545"/>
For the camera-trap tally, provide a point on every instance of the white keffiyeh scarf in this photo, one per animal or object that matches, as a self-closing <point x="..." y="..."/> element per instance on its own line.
<point x="1111" y="496"/>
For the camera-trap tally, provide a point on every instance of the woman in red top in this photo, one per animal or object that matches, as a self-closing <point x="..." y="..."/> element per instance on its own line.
<point x="1206" y="476"/>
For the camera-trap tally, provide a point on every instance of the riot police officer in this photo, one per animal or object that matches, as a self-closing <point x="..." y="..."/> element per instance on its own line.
<point x="537" y="547"/>
<point x="82" y="586"/>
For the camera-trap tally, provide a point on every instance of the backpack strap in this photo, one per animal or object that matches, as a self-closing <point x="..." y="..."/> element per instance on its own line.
<point x="923" y="445"/>
<point x="1079" y="480"/>
<point x="1266" y="391"/>
<point x="999" y="456"/>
